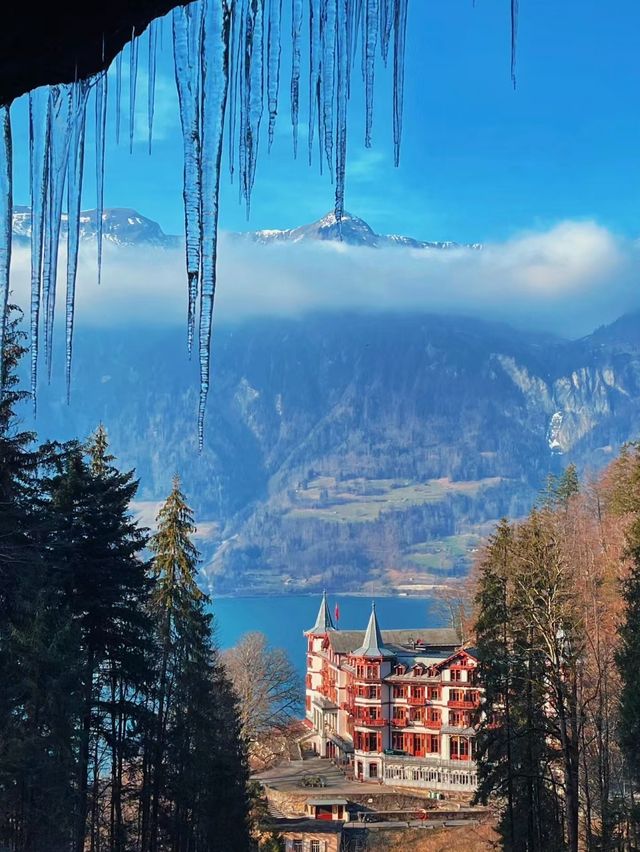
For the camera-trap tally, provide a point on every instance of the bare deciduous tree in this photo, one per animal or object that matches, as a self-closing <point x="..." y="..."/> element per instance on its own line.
<point x="269" y="691"/>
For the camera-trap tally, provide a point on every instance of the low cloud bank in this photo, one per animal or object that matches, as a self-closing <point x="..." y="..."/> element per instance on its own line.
<point x="568" y="279"/>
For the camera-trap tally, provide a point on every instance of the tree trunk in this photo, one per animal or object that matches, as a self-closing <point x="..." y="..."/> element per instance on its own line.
<point x="83" y="756"/>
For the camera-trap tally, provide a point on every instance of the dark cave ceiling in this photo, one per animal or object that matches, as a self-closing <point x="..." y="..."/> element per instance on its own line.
<point x="64" y="41"/>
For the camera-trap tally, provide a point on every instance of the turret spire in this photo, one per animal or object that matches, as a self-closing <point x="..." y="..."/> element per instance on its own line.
<point x="373" y="646"/>
<point x="324" y="621"/>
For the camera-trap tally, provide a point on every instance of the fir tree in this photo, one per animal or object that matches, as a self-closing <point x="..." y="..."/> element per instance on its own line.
<point x="38" y="645"/>
<point x="94" y="547"/>
<point x="199" y="767"/>
<point x="628" y="656"/>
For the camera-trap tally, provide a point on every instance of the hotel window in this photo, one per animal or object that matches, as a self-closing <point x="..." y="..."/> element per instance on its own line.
<point x="315" y="846"/>
<point x="433" y="744"/>
<point x="434" y="693"/>
<point x="373" y="770"/>
<point x="456" y="674"/>
<point x="459" y="748"/>
<point x="399" y="691"/>
<point x="298" y="846"/>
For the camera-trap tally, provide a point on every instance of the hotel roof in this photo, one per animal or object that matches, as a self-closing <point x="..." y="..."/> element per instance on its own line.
<point x="399" y="642"/>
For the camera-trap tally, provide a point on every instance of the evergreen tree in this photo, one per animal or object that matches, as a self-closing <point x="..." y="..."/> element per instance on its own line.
<point x="94" y="547"/>
<point x="514" y="752"/>
<point x="628" y="656"/>
<point x="199" y="769"/>
<point x="38" y="645"/>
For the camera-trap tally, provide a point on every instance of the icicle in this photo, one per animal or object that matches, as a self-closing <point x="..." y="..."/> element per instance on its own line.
<point x="386" y="23"/>
<point x="215" y="81"/>
<point x="59" y="133"/>
<point x="151" y="84"/>
<point x="133" y="82"/>
<point x="273" y="63"/>
<point x="342" y="89"/>
<point x="514" y="39"/>
<point x="235" y="61"/>
<point x="252" y="96"/>
<point x="328" y="42"/>
<point x="38" y="168"/>
<point x="241" y="99"/>
<point x="101" y="127"/>
<point x="74" y="196"/>
<point x="320" y="136"/>
<point x="296" y="28"/>
<point x="370" y="34"/>
<point x="6" y="218"/>
<point x="314" y="69"/>
<point x="187" y="21"/>
<point x="118" y="94"/>
<point x="355" y="26"/>
<point x="400" y="33"/>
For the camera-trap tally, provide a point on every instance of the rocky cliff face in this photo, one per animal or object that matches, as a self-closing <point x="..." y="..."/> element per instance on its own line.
<point x="360" y="451"/>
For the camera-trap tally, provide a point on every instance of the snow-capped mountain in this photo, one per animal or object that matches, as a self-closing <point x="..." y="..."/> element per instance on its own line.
<point x="122" y="226"/>
<point x="352" y="230"/>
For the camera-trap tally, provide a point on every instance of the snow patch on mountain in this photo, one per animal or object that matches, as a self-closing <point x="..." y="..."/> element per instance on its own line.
<point x="122" y="226"/>
<point x="553" y="435"/>
<point x="350" y="230"/>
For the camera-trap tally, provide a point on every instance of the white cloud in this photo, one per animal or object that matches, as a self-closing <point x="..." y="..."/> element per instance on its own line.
<point x="567" y="279"/>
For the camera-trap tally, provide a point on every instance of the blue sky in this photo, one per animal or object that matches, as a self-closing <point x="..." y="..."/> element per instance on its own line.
<point x="480" y="162"/>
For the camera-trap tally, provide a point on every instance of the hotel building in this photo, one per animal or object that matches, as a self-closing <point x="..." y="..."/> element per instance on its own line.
<point x="397" y="705"/>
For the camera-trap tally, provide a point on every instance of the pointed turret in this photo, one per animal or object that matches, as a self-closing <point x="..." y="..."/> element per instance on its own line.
<point x="373" y="646"/>
<point x="324" y="621"/>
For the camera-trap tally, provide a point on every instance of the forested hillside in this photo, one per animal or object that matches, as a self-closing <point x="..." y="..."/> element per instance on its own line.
<point x="360" y="450"/>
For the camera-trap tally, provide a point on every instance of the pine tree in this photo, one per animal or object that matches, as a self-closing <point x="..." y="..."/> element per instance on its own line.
<point x="94" y="546"/>
<point x="628" y="656"/>
<point x="495" y="736"/>
<point x="513" y="750"/>
<point x="199" y="770"/>
<point x="38" y="645"/>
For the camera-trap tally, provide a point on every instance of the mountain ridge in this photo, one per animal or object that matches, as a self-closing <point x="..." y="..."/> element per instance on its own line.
<point x="124" y="226"/>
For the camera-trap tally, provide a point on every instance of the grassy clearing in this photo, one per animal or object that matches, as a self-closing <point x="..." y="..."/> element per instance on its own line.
<point x="359" y="500"/>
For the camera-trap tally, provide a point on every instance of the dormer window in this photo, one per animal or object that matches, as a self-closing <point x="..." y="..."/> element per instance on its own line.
<point x="400" y="669"/>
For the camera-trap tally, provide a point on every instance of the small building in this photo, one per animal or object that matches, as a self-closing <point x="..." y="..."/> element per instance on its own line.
<point x="328" y="809"/>
<point x="400" y="706"/>
<point x="310" y="835"/>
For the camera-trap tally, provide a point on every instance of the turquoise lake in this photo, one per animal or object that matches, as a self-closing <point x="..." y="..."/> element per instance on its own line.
<point x="283" y="619"/>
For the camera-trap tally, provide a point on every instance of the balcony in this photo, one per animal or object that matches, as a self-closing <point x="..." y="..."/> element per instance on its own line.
<point x="419" y="700"/>
<point x="463" y="705"/>
<point x="433" y="724"/>
<point x="370" y="723"/>
<point x="362" y="678"/>
<point x="431" y="760"/>
<point x="400" y="722"/>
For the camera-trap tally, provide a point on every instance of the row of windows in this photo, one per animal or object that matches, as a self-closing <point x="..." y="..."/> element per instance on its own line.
<point x="426" y="775"/>
<point x="306" y="846"/>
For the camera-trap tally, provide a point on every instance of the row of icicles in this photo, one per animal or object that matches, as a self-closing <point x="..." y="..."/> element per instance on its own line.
<point x="227" y="68"/>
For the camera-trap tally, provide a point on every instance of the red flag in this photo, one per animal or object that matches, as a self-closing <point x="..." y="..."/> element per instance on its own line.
<point x="336" y="612"/>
